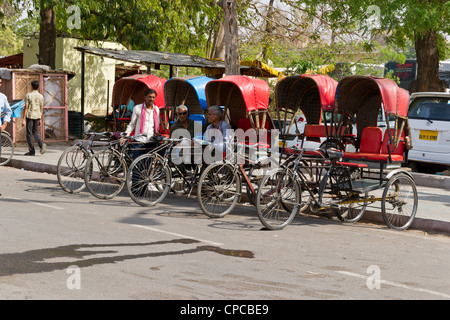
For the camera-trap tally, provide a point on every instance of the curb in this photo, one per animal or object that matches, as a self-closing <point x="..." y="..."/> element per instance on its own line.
<point x="425" y="225"/>
<point x="33" y="166"/>
<point x="432" y="181"/>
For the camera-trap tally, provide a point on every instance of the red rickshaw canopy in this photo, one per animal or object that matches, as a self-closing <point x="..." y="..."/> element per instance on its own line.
<point x="133" y="87"/>
<point x="309" y="93"/>
<point x="254" y="92"/>
<point x="356" y="92"/>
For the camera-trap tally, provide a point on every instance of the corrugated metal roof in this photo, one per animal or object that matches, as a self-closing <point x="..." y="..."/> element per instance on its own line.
<point x="210" y="66"/>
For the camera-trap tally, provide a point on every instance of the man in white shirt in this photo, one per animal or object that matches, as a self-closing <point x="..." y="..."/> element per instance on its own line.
<point x="144" y="123"/>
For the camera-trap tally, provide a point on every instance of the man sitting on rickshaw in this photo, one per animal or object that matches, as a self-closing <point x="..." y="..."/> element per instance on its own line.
<point x="218" y="132"/>
<point x="218" y="128"/>
<point x="183" y="122"/>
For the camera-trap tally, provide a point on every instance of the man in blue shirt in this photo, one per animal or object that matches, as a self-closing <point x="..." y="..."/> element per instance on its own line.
<point x="5" y="111"/>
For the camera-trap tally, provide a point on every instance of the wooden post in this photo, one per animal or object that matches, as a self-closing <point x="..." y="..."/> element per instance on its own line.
<point x="83" y="67"/>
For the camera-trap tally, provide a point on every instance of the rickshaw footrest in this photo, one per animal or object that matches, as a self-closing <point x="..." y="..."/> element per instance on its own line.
<point x="365" y="185"/>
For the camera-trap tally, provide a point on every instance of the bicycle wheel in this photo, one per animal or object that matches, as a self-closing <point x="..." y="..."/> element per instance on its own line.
<point x="219" y="190"/>
<point x="399" y="202"/>
<point x="7" y="150"/>
<point x="277" y="192"/>
<point x="70" y="169"/>
<point x="148" y="180"/>
<point x="350" y="207"/>
<point x="309" y="177"/>
<point x="105" y="174"/>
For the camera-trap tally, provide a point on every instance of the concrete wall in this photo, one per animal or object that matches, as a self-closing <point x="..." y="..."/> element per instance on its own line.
<point x="97" y="74"/>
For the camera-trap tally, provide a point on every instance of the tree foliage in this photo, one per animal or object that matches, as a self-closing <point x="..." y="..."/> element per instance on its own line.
<point x="137" y="24"/>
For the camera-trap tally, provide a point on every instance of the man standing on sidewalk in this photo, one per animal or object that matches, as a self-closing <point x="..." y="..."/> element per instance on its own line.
<point x="34" y="104"/>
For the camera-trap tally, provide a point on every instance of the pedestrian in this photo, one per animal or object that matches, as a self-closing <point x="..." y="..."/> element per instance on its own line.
<point x="5" y="114"/>
<point x="32" y="114"/>
<point x="144" y="123"/>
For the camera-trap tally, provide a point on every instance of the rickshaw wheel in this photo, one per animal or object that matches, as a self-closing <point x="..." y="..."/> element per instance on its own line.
<point x="105" y="174"/>
<point x="70" y="169"/>
<point x="148" y="180"/>
<point x="350" y="208"/>
<point x="310" y="176"/>
<point x="399" y="202"/>
<point x="219" y="190"/>
<point x="278" y="191"/>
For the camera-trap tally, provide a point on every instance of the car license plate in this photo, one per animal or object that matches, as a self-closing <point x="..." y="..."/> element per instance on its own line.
<point x="282" y="143"/>
<point x="428" y="135"/>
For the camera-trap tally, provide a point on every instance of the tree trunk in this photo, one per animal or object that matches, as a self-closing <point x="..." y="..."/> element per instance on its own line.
<point x="427" y="54"/>
<point x="47" y="36"/>
<point x="232" y="60"/>
<point x="218" y="47"/>
<point x="269" y="30"/>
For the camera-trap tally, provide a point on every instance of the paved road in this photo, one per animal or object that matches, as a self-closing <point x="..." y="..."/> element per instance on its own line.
<point x="61" y="246"/>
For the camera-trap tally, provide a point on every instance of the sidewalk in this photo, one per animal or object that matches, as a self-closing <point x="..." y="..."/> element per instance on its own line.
<point x="433" y="214"/>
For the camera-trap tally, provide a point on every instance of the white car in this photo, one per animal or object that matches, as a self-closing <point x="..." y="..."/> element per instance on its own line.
<point x="429" y="120"/>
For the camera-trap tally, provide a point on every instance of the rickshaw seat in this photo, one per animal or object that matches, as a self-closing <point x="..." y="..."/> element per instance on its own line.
<point x="315" y="131"/>
<point x="371" y="140"/>
<point x="318" y="130"/>
<point x="245" y="124"/>
<point x="198" y="117"/>
<point x="400" y="148"/>
<point x="383" y="156"/>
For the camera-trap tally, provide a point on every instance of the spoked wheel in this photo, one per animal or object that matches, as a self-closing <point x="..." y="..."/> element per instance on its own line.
<point x="179" y="184"/>
<point x="219" y="190"/>
<point x="310" y="177"/>
<point x="7" y="150"/>
<point x="277" y="191"/>
<point x="105" y="174"/>
<point x="70" y="169"/>
<point x="399" y="202"/>
<point x="350" y="207"/>
<point x="149" y="180"/>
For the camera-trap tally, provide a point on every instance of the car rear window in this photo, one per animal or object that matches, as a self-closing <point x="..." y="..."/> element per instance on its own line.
<point x="430" y="109"/>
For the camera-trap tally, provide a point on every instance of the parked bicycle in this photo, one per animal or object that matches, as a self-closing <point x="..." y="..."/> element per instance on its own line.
<point x="72" y="162"/>
<point x="151" y="176"/>
<point x="105" y="171"/>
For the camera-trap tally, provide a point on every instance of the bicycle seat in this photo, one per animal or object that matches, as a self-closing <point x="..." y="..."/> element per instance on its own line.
<point x="335" y="154"/>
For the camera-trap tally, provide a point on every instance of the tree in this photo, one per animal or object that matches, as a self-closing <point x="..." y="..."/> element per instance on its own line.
<point x="231" y="37"/>
<point x="47" y="34"/>
<point x="418" y="20"/>
<point x="137" y="24"/>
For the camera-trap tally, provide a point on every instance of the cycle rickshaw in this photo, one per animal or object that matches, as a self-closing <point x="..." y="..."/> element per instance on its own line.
<point x="314" y="96"/>
<point x="354" y="180"/>
<point x="246" y="102"/>
<point x="105" y="171"/>
<point x="153" y="175"/>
